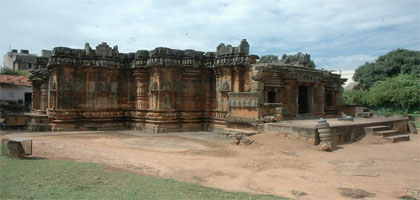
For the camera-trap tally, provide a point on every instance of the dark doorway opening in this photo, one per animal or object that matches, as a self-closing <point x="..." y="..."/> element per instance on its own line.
<point x="329" y="99"/>
<point x="28" y="98"/>
<point x="271" y="97"/>
<point x="303" y="99"/>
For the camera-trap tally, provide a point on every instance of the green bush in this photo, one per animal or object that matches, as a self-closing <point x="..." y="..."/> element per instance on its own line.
<point x="353" y="97"/>
<point x="387" y="66"/>
<point x="8" y="71"/>
<point x="399" y="94"/>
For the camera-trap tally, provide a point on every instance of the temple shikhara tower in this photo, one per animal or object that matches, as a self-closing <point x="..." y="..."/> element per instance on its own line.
<point x="166" y="90"/>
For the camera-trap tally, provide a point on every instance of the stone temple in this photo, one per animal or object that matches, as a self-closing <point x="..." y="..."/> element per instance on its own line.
<point x="165" y="90"/>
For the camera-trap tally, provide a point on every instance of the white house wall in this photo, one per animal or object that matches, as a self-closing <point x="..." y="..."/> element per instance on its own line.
<point x="14" y="93"/>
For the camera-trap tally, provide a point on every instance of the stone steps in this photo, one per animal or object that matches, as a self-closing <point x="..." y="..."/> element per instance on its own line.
<point x="372" y="129"/>
<point x="397" y="138"/>
<point x="389" y="135"/>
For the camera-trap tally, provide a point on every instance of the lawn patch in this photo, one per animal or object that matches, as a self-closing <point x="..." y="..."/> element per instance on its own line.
<point x="56" y="179"/>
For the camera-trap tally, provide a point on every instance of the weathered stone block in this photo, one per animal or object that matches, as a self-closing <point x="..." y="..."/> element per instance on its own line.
<point x="257" y="86"/>
<point x="412" y="127"/>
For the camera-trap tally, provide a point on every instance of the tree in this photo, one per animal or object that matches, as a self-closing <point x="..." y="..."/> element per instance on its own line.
<point x="353" y="97"/>
<point x="311" y="64"/>
<point x="386" y="66"/>
<point x="268" y="59"/>
<point x="8" y="71"/>
<point x="401" y="92"/>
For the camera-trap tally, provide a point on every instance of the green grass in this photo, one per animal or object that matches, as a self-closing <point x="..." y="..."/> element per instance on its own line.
<point x="57" y="179"/>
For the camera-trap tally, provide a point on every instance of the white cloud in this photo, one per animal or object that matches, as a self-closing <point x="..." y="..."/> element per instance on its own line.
<point x="325" y="29"/>
<point x="344" y="63"/>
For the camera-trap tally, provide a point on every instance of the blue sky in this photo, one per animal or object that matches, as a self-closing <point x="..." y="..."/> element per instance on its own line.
<point x="339" y="35"/>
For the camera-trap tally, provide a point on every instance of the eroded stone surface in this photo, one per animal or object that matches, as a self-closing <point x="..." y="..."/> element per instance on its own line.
<point x="165" y="90"/>
<point x="412" y="127"/>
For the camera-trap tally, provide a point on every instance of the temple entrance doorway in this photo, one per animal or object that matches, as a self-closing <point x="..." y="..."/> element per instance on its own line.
<point x="271" y="97"/>
<point x="28" y="98"/>
<point x="303" y="99"/>
<point x="329" y="99"/>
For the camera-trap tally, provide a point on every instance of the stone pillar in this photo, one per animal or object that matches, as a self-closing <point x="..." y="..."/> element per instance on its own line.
<point x="35" y="96"/>
<point x="311" y="99"/>
<point x="154" y="90"/>
<point x="321" y="99"/>
<point x="52" y="92"/>
<point x="142" y="78"/>
<point x="224" y="84"/>
<point x="52" y="100"/>
<point x="190" y="80"/>
<point x="289" y="99"/>
<point x="238" y="80"/>
<point x="277" y="95"/>
<point x="282" y="95"/>
<point x="316" y="99"/>
<point x="339" y="94"/>
<point x="33" y="99"/>
<point x="218" y="75"/>
<point x="294" y="104"/>
<point x="44" y="96"/>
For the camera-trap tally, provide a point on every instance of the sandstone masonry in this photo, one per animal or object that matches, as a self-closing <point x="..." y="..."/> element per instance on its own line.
<point x="166" y="90"/>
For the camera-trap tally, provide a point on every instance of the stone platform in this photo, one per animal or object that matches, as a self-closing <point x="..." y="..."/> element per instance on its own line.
<point x="344" y="131"/>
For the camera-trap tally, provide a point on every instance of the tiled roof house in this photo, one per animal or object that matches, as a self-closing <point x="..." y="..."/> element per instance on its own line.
<point x="15" y="89"/>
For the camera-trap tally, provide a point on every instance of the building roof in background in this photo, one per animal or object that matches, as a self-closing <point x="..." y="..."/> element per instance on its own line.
<point x="353" y="86"/>
<point x="15" y="80"/>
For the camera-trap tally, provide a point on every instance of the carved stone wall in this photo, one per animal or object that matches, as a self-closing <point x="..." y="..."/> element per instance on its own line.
<point x="283" y="82"/>
<point x="244" y="109"/>
<point x="165" y="89"/>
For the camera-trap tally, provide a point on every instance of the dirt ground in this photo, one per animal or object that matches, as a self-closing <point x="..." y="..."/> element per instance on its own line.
<point x="273" y="164"/>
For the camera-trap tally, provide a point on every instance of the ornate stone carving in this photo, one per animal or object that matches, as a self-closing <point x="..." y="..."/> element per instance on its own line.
<point x="103" y="50"/>
<point x="243" y="99"/>
<point x="172" y="90"/>
<point x="225" y="87"/>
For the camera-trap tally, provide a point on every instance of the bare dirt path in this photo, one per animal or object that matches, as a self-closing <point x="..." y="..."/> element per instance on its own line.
<point x="274" y="164"/>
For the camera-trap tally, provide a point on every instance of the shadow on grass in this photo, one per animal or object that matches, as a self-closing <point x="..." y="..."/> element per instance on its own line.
<point x="34" y="158"/>
<point x="25" y="158"/>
